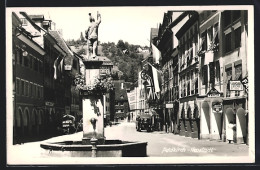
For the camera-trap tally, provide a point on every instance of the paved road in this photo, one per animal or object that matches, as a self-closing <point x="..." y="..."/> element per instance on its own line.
<point x="168" y="144"/>
<point x="160" y="144"/>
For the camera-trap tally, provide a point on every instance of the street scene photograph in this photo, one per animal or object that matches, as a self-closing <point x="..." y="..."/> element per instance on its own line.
<point x="130" y="85"/>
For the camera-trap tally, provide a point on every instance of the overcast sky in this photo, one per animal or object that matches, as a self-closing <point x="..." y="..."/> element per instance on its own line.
<point x="131" y="24"/>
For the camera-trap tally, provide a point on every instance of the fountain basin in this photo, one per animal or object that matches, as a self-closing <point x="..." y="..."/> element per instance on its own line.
<point x="111" y="148"/>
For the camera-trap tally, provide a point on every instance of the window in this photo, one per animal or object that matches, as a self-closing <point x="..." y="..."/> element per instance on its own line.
<point x="26" y="89"/>
<point x="212" y="72"/>
<point x="205" y="75"/>
<point x="238" y="72"/>
<point x="31" y="89"/>
<point x="26" y="61"/>
<point x="35" y="91"/>
<point x="233" y="30"/>
<point x="210" y="34"/>
<point x="217" y="71"/>
<point x="20" y="57"/>
<point x="39" y="92"/>
<point x="237" y="37"/>
<point x="31" y="61"/>
<point x="17" y="86"/>
<point x="204" y="41"/>
<point x="238" y="76"/>
<point x="22" y="87"/>
<point x="40" y="67"/>
<point x="227" y="18"/>
<point x="228" y="42"/>
<point x="229" y="77"/>
<point x="35" y="64"/>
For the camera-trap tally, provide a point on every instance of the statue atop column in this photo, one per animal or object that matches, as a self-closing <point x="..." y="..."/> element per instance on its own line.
<point x="91" y="34"/>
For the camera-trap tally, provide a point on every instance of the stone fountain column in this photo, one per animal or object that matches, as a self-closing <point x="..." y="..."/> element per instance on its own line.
<point x="93" y="106"/>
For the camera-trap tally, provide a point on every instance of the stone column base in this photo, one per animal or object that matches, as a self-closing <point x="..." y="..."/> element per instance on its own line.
<point x="86" y="141"/>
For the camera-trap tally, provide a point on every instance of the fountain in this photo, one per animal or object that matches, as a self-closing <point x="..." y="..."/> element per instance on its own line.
<point x="92" y="88"/>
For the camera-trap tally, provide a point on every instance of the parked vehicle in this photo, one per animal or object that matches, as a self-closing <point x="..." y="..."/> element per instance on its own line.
<point x="144" y="122"/>
<point x="68" y="124"/>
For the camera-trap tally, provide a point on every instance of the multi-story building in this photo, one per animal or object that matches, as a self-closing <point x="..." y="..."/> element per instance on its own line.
<point x="167" y="43"/>
<point x="28" y="79"/>
<point x="121" y="101"/>
<point x="188" y="76"/>
<point x="211" y="80"/>
<point x="54" y="89"/>
<point x="133" y="99"/>
<point x="234" y="32"/>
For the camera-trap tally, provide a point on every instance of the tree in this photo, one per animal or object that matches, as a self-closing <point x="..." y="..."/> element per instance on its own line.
<point x="121" y="45"/>
<point x="82" y="39"/>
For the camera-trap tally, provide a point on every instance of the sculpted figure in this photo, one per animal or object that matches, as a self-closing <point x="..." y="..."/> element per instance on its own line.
<point x="92" y="36"/>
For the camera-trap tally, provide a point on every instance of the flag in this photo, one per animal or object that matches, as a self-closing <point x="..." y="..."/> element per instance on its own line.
<point x="61" y="68"/>
<point x="55" y="68"/>
<point x="156" y="54"/>
<point x="156" y="80"/>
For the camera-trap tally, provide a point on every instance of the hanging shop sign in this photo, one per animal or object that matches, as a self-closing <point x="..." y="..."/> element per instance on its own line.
<point x="169" y="105"/>
<point x="213" y="93"/>
<point x="235" y="85"/>
<point x="245" y="83"/>
<point x="217" y="107"/>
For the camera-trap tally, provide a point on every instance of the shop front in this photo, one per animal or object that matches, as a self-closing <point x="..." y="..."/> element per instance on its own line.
<point x="236" y="119"/>
<point x="211" y="117"/>
<point x="174" y="112"/>
<point x="189" y="121"/>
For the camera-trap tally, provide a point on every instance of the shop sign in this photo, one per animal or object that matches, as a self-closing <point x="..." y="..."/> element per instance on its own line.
<point x="67" y="67"/>
<point x="169" y="105"/>
<point x="49" y="104"/>
<point x="235" y="85"/>
<point x="217" y="107"/>
<point x="213" y="93"/>
<point x="245" y="83"/>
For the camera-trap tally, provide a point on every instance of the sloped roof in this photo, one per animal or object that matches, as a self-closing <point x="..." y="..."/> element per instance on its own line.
<point x="105" y="60"/>
<point x="68" y="60"/>
<point x="121" y="94"/>
<point x="35" y="17"/>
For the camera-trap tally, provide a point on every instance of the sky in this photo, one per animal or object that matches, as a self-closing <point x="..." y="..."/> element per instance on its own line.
<point x="130" y="24"/>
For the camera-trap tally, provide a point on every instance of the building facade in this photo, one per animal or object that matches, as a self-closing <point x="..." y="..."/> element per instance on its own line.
<point x="121" y="100"/>
<point x="28" y="80"/>
<point x="235" y="70"/>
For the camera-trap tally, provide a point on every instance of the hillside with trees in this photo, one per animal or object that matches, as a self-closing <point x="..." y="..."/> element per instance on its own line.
<point x="126" y="57"/>
<point x="123" y="55"/>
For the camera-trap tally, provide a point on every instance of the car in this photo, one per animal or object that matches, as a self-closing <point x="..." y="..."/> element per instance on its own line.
<point x="68" y="124"/>
<point x="144" y="122"/>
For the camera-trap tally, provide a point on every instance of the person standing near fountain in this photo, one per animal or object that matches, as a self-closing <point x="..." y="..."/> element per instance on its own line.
<point x="92" y="36"/>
